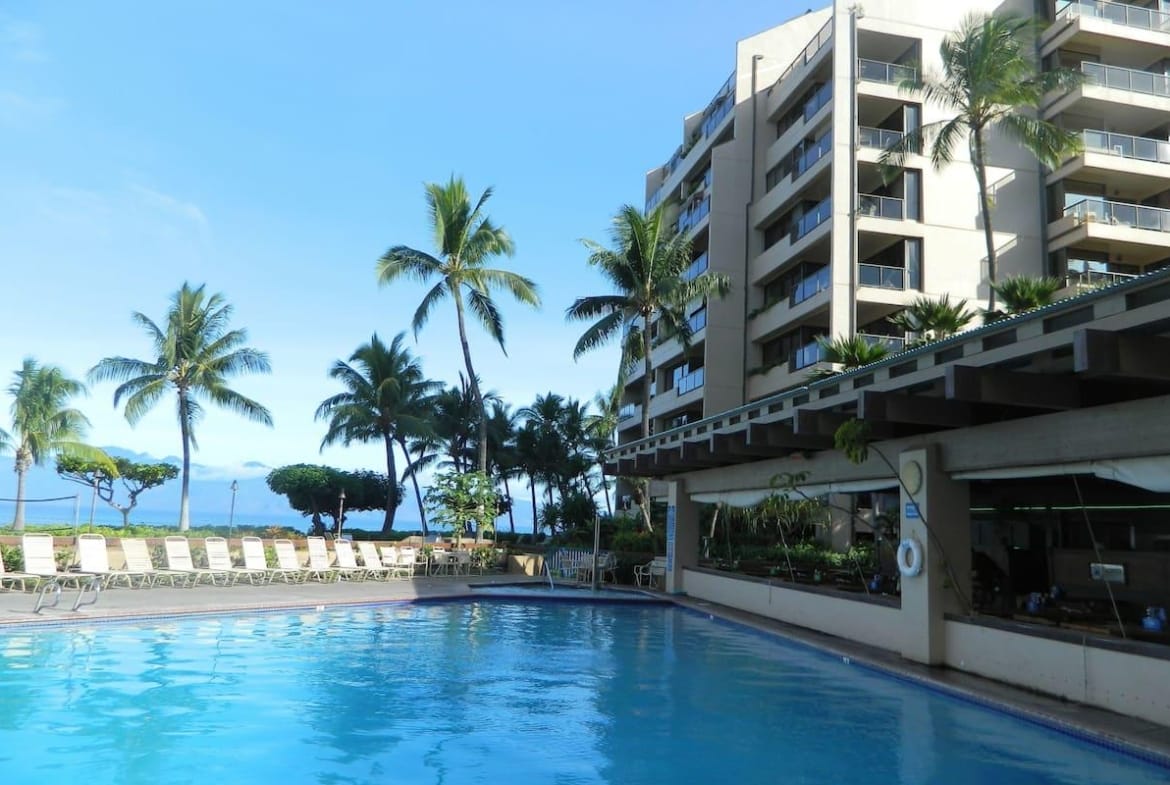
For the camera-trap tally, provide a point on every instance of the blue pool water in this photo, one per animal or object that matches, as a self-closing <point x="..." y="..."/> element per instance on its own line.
<point x="493" y="692"/>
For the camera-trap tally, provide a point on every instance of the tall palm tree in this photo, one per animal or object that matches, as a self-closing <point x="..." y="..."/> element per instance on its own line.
<point x="1022" y="293"/>
<point x="195" y="355"/>
<point x="386" y="398"/>
<point x="602" y="431"/>
<point x="849" y="352"/>
<point x="43" y="424"/>
<point x="933" y="320"/>
<point x="465" y="239"/>
<point x="645" y="268"/>
<point x="989" y="76"/>
<point x="422" y="452"/>
<point x="503" y="424"/>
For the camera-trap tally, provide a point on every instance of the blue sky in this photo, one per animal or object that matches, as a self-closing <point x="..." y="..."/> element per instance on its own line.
<point x="273" y="150"/>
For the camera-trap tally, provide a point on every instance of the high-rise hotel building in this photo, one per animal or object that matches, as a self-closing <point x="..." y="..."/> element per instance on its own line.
<point x="778" y="185"/>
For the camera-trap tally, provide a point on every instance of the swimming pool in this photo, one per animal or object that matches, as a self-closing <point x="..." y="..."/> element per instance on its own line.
<point x="493" y="692"/>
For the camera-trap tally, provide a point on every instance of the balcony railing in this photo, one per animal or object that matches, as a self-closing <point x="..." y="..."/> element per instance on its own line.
<point x="809" y="354"/>
<point x="695" y="213"/>
<point x="814" y="217"/>
<point x="880" y="276"/>
<point x="809" y="286"/>
<point x="627" y="412"/>
<point x="697" y="321"/>
<point x="878" y="138"/>
<point x="720" y="106"/>
<point x="689" y="382"/>
<point x="1128" y="79"/>
<point x="817" y="101"/>
<point x="1126" y="146"/>
<point x="893" y="343"/>
<point x="887" y="73"/>
<point x="823" y="36"/>
<point x="1095" y="278"/>
<point x="655" y="197"/>
<point x="697" y="268"/>
<point x="1135" y="216"/>
<point x="1118" y="13"/>
<point x="820" y="148"/>
<point x="880" y="206"/>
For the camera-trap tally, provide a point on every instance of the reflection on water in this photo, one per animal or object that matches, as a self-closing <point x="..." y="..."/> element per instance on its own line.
<point x="491" y="692"/>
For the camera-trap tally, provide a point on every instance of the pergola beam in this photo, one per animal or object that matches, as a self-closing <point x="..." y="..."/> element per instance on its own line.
<point x="1013" y="388"/>
<point x="1127" y="355"/>
<point x="874" y="406"/>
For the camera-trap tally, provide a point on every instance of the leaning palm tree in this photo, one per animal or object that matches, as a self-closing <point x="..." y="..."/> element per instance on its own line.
<point x="1023" y="293"/>
<point x="386" y="399"/>
<point x="645" y="268"/>
<point x="195" y="355"/>
<point x="991" y="84"/>
<point x="848" y="352"/>
<point x="465" y="239"/>
<point x="43" y="424"/>
<point x="933" y="320"/>
<point x="601" y="430"/>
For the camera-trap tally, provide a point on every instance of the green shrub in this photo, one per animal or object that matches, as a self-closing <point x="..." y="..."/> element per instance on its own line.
<point x="12" y="557"/>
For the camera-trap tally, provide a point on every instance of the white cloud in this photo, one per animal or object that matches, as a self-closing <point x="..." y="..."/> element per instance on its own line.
<point x="169" y="204"/>
<point x="241" y="471"/>
<point x="22" y="41"/>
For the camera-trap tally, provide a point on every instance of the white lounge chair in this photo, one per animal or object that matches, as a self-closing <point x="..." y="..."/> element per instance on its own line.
<point x="95" y="559"/>
<point x="137" y="556"/>
<point x="179" y="560"/>
<point x="649" y="573"/>
<point x="373" y="562"/>
<point x="347" y="566"/>
<point x="219" y="559"/>
<point x="17" y="578"/>
<point x="408" y="559"/>
<point x="320" y="565"/>
<point x="39" y="559"/>
<point x="288" y="561"/>
<point x="256" y="560"/>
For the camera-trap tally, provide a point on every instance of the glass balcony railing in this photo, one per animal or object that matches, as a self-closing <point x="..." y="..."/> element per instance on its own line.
<point x="695" y="213"/>
<point x="878" y="138"/>
<point x="720" y="107"/>
<point x="819" y="149"/>
<point x="1118" y="13"/>
<point x="1135" y="216"/>
<point x="809" y="354"/>
<point x="697" y="268"/>
<point x="689" y="382"/>
<point x="809" y="286"/>
<point x="893" y="343"/>
<point x="627" y="412"/>
<point x="1088" y="277"/>
<point x="655" y="198"/>
<point x="823" y="36"/>
<point x="879" y="276"/>
<point x="812" y="218"/>
<point x="817" y="101"/>
<point x="1126" y="146"/>
<point x="1128" y="79"/>
<point x="887" y="73"/>
<point x="880" y="206"/>
<point x="697" y="321"/>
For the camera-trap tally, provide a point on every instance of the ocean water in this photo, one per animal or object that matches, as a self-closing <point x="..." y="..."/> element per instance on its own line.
<point x="493" y="692"/>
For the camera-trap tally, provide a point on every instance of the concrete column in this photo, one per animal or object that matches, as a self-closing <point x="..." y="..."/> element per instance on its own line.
<point x="840" y="534"/>
<point x="930" y="496"/>
<point x="682" y="535"/>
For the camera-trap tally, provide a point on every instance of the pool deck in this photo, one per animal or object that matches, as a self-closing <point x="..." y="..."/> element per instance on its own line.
<point x="1149" y="740"/>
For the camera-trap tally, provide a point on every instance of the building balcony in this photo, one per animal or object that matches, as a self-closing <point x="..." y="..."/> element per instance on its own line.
<point x="1140" y="98"/>
<point x="629" y="412"/>
<point x="1097" y="18"/>
<point x="791" y="79"/>
<point x="1141" y="233"/>
<point x="1135" y="166"/>
<point x="878" y="138"/>
<point x="808" y="229"/>
<point x="889" y="207"/>
<point x="689" y="218"/>
<point x="810" y="297"/>
<point x="885" y="73"/>
<point x="880" y="276"/>
<point x="893" y="343"/>
<point x="688" y="383"/>
<point x="697" y="267"/>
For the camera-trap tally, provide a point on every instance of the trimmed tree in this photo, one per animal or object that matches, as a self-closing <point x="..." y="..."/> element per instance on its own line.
<point x="137" y="478"/>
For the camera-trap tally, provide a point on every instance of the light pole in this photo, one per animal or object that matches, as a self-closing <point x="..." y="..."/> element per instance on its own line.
<point x="232" y="511"/>
<point x="340" y="511"/>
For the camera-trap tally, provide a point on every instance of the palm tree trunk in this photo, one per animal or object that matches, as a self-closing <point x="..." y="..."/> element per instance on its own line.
<point x="22" y="464"/>
<point x="422" y="515"/>
<point x="185" y="432"/>
<point x="392" y="491"/>
<point x="605" y="487"/>
<point x="511" y="517"/>
<point x="985" y="208"/>
<point x="532" y="487"/>
<point x="481" y="410"/>
<point x="646" y="377"/>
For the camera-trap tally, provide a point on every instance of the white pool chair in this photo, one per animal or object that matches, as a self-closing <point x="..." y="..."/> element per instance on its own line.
<point x="137" y="557"/>
<point x="178" y="552"/>
<point x="347" y="566"/>
<point x="219" y="559"/>
<point x="39" y="559"/>
<point x="17" y="578"/>
<point x="439" y="562"/>
<point x="373" y="562"/>
<point x="288" y="561"/>
<point x="95" y="559"/>
<point x="648" y="574"/>
<point x="320" y="563"/>
<point x="407" y="561"/>
<point x="255" y="559"/>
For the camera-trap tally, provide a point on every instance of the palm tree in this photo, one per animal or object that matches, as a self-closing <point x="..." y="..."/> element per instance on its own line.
<point x="645" y="267"/>
<point x="43" y="424"/>
<point x="848" y="352"/>
<point x="422" y="452"/>
<point x="933" y="320"/>
<point x="602" y="430"/>
<point x="1022" y="293"/>
<point x="989" y="75"/>
<point x="502" y="455"/>
<point x="196" y="354"/>
<point x="465" y="239"/>
<point x="386" y="398"/>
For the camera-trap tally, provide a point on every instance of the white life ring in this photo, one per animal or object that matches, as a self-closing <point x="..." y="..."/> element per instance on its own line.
<point x="910" y="557"/>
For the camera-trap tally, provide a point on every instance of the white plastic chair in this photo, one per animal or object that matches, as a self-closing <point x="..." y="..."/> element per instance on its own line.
<point x="95" y="559"/>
